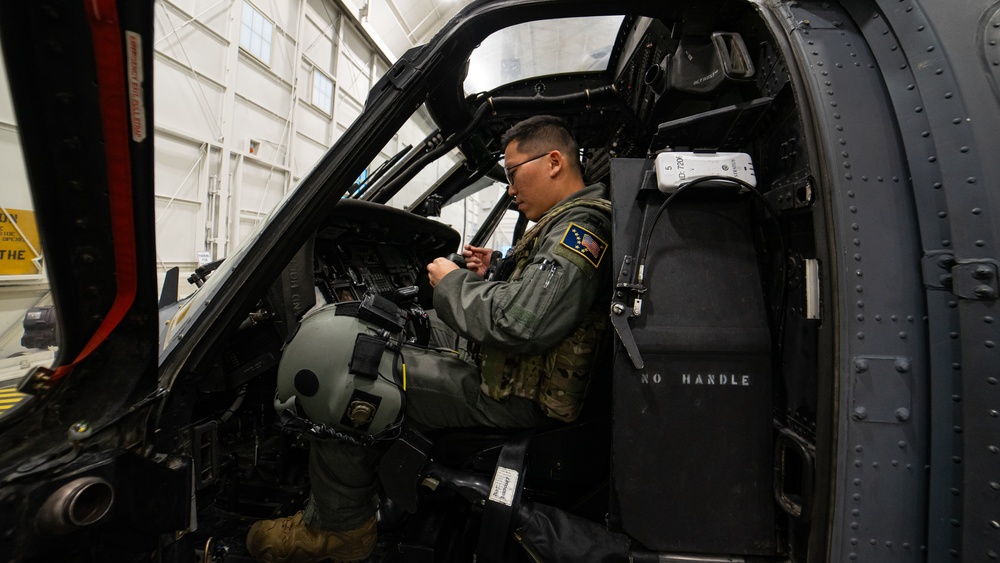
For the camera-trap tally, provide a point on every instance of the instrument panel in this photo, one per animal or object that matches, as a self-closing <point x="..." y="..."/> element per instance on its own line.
<point x="366" y="247"/>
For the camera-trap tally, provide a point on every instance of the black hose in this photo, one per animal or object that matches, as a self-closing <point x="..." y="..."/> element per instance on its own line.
<point x="503" y="104"/>
<point x="778" y="327"/>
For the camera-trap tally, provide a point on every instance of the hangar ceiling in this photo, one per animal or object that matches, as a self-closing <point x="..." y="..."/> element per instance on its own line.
<point x="403" y="24"/>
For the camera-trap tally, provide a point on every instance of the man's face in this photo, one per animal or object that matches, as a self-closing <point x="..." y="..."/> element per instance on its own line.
<point x="529" y="181"/>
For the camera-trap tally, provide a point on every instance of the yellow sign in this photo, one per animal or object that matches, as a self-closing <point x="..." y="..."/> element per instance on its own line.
<point x="19" y="243"/>
<point x="9" y="398"/>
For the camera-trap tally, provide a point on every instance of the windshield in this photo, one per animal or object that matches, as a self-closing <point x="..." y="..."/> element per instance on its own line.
<point x="541" y="48"/>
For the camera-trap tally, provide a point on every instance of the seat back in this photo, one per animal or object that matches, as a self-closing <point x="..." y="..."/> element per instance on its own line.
<point x="692" y="439"/>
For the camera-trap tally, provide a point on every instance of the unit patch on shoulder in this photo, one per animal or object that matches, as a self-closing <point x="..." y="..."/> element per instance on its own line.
<point x="585" y="243"/>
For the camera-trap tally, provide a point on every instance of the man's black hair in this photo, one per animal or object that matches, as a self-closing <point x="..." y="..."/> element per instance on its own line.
<point x="541" y="133"/>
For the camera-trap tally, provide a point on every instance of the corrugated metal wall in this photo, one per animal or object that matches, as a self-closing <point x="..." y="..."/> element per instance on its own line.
<point x="248" y="97"/>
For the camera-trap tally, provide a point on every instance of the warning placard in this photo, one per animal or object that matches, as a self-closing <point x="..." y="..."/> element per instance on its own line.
<point x="19" y="244"/>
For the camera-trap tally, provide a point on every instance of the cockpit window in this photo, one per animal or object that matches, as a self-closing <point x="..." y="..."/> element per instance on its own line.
<point x="541" y="48"/>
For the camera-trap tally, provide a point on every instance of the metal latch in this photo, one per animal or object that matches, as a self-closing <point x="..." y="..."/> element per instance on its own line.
<point x="975" y="279"/>
<point x="37" y="381"/>
<point x="967" y="279"/>
<point x="625" y="291"/>
<point x="937" y="267"/>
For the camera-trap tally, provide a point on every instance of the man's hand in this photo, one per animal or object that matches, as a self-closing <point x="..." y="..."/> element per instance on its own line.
<point x="477" y="259"/>
<point x="438" y="269"/>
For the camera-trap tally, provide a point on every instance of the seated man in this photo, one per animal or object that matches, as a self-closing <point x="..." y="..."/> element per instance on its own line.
<point x="535" y="332"/>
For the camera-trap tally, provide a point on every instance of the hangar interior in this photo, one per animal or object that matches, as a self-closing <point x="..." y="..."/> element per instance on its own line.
<point x="248" y="96"/>
<point x="849" y="302"/>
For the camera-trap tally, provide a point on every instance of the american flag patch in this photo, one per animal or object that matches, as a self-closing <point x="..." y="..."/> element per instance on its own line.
<point x="584" y="243"/>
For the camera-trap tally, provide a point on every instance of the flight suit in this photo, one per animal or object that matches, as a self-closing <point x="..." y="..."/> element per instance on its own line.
<point x="536" y="332"/>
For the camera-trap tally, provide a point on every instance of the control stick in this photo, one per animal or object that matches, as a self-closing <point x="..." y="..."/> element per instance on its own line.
<point x="458" y="259"/>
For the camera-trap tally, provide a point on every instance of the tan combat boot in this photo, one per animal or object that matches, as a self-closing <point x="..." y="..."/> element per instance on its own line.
<point x="289" y="540"/>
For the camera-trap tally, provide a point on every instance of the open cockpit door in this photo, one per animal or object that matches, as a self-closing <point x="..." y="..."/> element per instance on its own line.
<point x="80" y="79"/>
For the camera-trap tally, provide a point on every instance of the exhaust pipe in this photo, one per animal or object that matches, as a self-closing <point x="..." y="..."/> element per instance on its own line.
<point x="75" y="505"/>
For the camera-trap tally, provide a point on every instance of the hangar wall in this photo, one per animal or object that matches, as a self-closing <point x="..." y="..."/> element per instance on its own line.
<point x="248" y="96"/>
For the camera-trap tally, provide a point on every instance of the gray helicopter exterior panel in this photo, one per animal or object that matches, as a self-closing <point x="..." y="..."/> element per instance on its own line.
<point x="883" y="418"/>
<point x="968" y="32"/>
<point x="944" y="539"/>
<point x="940" y="61"/>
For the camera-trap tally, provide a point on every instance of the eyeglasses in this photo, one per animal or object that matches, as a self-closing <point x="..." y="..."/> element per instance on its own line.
<point x="508" y="170"/>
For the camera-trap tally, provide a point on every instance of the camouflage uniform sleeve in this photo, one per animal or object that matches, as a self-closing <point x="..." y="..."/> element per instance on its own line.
<point x="536" y="311"/>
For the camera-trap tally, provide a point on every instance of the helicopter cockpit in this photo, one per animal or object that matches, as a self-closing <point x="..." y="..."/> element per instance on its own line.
<point x="712" y="279"/>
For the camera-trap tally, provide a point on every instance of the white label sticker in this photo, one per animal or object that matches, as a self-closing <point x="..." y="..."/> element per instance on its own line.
<point x="137" y="108"/>
<point x="504" y="486"/>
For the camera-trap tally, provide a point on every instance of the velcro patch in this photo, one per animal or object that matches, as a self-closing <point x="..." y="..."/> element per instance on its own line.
<point x="584" y="243"/>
